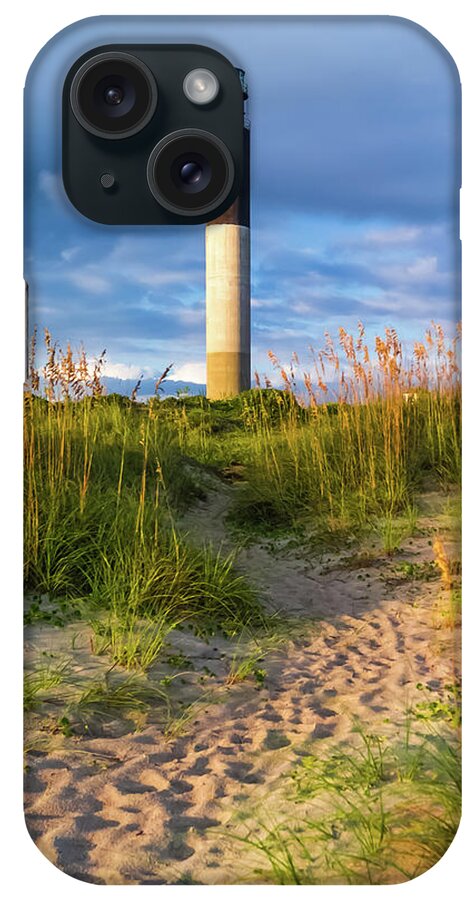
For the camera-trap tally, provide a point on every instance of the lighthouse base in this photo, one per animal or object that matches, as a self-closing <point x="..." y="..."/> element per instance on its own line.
<point x="228" y="374"/>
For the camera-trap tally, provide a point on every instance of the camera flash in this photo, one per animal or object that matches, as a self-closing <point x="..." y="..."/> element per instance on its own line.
<point x="201" y="86"/>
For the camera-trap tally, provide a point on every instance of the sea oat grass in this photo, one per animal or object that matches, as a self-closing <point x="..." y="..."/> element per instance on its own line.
<point x="105" y="479"/>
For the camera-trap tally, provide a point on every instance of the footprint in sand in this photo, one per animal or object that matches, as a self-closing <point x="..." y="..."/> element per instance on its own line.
<point x="275" y="740"/>
<point x="226" y="751"/>
<point x="339" y="660"/>
<point x="323" y="731"/>
<point x="128" y="786"/>
<point x="174" y="805"/>
<point x="92" y="822"/>
<point x="330" y="641"/>
<point x="180" y="786"/>
<point x="180" y="824"/>
<point x="176" y="751"/>
<point x="270" y="714"/>
<point x="354" y="649"/>
<point x="72" y="851"/>
<point x="177" y="849"/>
<point x="33" y="784"/>
<point x="239" y="739"/>
<point x="422" y="668"/>
<point x="133" y="826"/>
<point x="200" y="767"/>
<point x="37" y="824"/>
<point x="368" y="696"/>
<point x="242" y="771"/>
<point x="323" y="711"/>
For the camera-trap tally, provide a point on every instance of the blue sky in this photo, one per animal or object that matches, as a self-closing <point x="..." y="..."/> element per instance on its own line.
<point x="355" y="175"/>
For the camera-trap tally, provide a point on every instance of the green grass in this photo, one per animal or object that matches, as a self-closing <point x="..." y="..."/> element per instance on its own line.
<point x="337" y="469"/>
<point x="105" y="475"/>
<point x="341" y="472"/>
<point x="107" y="478"/>
<point x="338" y="460"/>
<point x="104" y="483"/>
<point x="57" y="611"/>
<point x="180" y="720"/>
<point x="446" y="709"/>
<point x="379" y="812"/>
<point x="414" y="571"/>
<point x="38" y="684"/>
<point x="86" y="703"/>
<point x="248" y="660"/>
<point x="104" y="700"/>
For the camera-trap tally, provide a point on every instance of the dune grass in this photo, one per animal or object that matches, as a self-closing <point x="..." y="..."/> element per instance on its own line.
<point x="341" y="449"/>
<point x="345" y="445"/>
<point x="104" y="481"/>
<point x="359" y="461"/>
<point x="104" y="700"/>
<point x="380" y="812"/>
<point x="39" y="683"/>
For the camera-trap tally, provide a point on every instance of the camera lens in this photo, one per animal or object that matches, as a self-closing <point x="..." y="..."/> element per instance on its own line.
<point x="190" y="172"/>
<point x="113" y="95"/>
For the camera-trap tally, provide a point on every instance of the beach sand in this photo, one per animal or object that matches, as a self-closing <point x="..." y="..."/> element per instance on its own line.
<point x="128" y="804"/>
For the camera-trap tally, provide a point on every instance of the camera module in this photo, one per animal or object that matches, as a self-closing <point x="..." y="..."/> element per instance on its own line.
<point x="113" y="95"/>
<point x="153" y="134"/>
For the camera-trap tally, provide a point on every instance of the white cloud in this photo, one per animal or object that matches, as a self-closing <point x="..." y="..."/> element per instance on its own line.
<point x="422" y="269"/>
<point x="399" y="235"/>
<point x="121" y="370"/>
<point x="69" y="253"/>
<point x="403" y="304"/>
<point x="191" y="316"/>
<point x="141" y="274"/>
<point x="89" y="281"/>
<point x="196" y="372"/>
<point x="147" y="263"/>
<point x="48" y="310"/>
<point x="302" y="308"/>
<point x="425" y="267"/>
<point x="270" y="303"/>
<point x="50" y="185"/>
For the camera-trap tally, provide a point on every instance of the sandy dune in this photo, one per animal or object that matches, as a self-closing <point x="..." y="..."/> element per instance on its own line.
<point x="140" y="808"/>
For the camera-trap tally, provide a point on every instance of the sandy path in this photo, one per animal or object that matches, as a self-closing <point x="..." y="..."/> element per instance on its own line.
<point x="142" y="809"/>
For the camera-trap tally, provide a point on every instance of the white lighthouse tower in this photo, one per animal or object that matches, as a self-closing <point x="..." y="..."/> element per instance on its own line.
<point x="228" y="292"/>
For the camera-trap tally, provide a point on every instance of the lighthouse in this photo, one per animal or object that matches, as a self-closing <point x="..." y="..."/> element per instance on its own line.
<point x="227" y="251"/>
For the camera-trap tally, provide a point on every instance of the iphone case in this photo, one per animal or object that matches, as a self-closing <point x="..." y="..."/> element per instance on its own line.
<point x="242" y="579"/>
